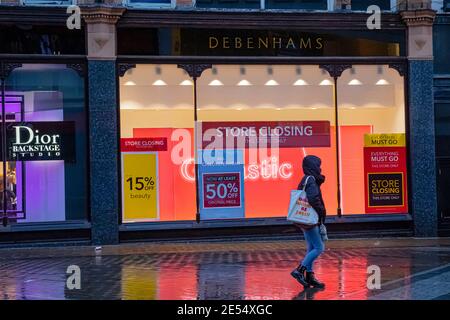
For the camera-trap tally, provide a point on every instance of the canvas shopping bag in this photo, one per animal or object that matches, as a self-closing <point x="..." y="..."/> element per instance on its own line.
<point x="300" y="211"/>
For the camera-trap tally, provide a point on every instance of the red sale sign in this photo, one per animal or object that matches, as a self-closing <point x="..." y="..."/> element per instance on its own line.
<point x="385" y="173"/>
<point x="285" y="134"/>
<point x="143" y="144"/>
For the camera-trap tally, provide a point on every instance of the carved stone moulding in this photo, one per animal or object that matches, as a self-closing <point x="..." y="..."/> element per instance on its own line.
<point x="418" y="17"/>
<point x="99" y="14"/>
<point x="122" y="68"/>
<point x="195" y="70"/>
<point x="335" y="70"/>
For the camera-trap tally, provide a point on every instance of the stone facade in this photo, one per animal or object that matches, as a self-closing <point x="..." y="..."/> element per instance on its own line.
<point x="101" y="43"/>
<point x="102" y="76"/>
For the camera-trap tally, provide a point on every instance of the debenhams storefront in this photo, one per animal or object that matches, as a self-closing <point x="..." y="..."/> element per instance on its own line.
<point x="102" y="144"/>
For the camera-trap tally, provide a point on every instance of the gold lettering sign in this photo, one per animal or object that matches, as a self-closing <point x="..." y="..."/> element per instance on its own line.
<point x="310" y="43"/>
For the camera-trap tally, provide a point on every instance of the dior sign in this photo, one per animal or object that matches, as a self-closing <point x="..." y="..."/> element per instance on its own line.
<point x="33" y="141"/>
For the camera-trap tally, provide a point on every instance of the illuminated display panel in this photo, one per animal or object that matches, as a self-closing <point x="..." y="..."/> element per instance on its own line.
<point x="157" y="102"/>
<point x="44" y="117"/>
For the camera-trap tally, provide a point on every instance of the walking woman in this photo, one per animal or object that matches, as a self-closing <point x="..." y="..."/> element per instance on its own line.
<point x="304" y="272"/>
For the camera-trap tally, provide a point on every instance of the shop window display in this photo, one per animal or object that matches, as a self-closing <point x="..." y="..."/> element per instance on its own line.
<point x="295" y="103"/>
<point x="255" y="124"/>
<point x="371" y="105"/>
<point x="44" y="163"/>
<point x="156" y="102"/>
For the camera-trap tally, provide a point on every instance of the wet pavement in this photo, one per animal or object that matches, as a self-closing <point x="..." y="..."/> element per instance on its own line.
<point x="410" y="269"/>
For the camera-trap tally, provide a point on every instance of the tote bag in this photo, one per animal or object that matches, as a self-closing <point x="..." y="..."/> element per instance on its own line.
<point x="300" y="211"/>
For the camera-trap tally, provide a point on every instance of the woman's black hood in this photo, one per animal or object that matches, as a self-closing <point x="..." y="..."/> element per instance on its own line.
<point x="311" y="167"/>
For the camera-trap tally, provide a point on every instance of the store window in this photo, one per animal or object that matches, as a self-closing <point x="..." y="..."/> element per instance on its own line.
<point x="48" y="2"/>
<point x="297" y="4"/>
<point x="294" y="103"/>
<point x="245" y="4"/>
<point x="157" y="144"/>
<point x="44" y="168"/>
<point x="362" y="5"/>
<point x="441" y="32"/>
<point x="372" y="140"/>
<point x="36" y="39"/>
<point x="254" y="125"/>
<point x="149" y="3"/>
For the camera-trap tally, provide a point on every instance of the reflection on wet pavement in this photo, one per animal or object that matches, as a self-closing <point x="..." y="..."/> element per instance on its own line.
<point x="261" y="272"/>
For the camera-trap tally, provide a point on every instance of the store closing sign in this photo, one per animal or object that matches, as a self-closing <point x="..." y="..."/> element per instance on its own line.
<point x="385" y="173"/>
<point x="140" y="181"/>
<point x="283" y="134"/>
<point x="37" y="141"/>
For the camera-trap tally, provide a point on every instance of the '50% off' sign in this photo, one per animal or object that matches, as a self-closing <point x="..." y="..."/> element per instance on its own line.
<point x="221" y="190"/>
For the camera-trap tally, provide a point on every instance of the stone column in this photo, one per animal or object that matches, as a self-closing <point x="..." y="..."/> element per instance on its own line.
<point x="421" y="121"/>
<point x="103" y="126"/>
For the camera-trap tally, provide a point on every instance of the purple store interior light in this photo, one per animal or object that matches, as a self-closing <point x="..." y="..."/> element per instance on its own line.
<point x="44" y="180"/>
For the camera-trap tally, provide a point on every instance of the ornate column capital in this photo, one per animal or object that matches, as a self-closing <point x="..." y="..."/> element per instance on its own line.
<point x="101" y="30"/>
<point x="416" y="18"/>
<point x="101" y="14"/>
<point x="195" y="70"/>
<point x="420" y="32"/>
<point x="335" y="70"/>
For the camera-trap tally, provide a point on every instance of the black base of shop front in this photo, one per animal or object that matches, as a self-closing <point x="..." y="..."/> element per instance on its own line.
<point x="266" y="229"/>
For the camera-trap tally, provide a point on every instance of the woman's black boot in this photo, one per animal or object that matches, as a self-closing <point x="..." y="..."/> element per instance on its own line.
<point x="299" y="275"/>
<point x="312" y="281"/>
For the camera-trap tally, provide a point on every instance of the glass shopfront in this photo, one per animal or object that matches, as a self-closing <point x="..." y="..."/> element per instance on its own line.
<point x="43" y="171"/>
<point x="248" y="127"/>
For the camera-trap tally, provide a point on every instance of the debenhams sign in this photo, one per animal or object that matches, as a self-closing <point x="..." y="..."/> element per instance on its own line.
<point x="33" y="141"/>
<point x="309" y="43"/>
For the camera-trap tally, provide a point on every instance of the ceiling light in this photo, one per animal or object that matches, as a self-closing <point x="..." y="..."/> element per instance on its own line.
<point x="130" y="83"/>
<point x="216" y="83"/>
<point x="244" y="83"/>
<point x="159" y="83"/>
<point x="272" y="83"/>
<point x="300" y="82"/>
<point x="355" y="82"/>
<point x="382" y="82"/>
<point x="326" y="82"/>
<point x="186" y="83"/>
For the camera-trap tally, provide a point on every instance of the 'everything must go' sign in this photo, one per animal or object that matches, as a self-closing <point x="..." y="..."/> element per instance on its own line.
<point x="385" y="173"/>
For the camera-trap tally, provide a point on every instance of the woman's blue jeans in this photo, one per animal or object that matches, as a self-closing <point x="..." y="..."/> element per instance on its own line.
<point x="314" y="247"/>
